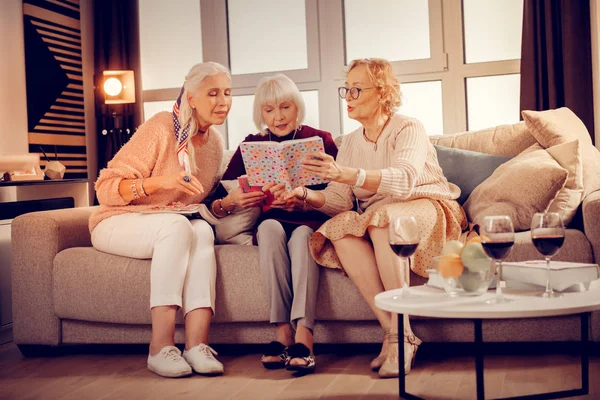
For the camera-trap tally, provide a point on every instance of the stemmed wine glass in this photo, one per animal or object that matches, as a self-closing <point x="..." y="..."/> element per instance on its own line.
<point x="403" y="235"/>
<point x="548" y="236"/>
<point x="498" y="238"/>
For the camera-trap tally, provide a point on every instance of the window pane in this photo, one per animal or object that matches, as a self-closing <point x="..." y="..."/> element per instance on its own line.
<point x="420" y="100"/>
<point x="493" y="100"/>
<point x="170" y="42"/>
<point x="423" y="101"/>
<point x="392" y="29"/>
<point x="267" y="35"/>
<point x="154" y="107"/>
<point x="241" y="124"/>
<point x="492" y="30"/>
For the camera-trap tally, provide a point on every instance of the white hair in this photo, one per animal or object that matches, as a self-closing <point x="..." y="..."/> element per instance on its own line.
<point x="191" y="85"/>
<point x="274" y="90"/>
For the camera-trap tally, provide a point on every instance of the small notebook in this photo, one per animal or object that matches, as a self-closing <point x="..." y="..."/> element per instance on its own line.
<point x="268" y="162"/>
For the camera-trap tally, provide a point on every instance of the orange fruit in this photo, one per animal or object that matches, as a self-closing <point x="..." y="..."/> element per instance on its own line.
<point x="450" y="266"/>
<point x="474" y="239"/>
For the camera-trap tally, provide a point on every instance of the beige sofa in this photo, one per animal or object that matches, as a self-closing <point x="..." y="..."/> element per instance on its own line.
<point x="64" y="291"/>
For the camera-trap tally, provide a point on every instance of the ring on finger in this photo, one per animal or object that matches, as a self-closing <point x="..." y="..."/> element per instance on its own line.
<point x="187" y="179"/>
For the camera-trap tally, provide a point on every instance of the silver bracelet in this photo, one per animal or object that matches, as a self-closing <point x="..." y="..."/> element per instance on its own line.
<point x="136" y="195"/>
<point x="360" y="178"/>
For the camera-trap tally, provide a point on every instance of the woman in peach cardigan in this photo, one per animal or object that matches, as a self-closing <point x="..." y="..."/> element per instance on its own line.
<point x="173" y="157"/>
<point x="389" y="168"/>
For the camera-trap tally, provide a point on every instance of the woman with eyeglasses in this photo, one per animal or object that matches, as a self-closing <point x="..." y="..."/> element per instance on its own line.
<point x="290" y="276"/>
<point x="173" y="157"/>
<point x="389" y="167"/>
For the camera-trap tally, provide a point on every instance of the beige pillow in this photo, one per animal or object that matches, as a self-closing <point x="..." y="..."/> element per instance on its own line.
<point x="554" y="127"/>
<point x="501" y="140"/>
<point x="518" y="188"/>
<point x="237" y="227"/>
<point x="566" y="203"/>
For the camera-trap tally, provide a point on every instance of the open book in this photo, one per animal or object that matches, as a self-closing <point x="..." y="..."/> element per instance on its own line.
<point x="268" y="162"/>
<point x="185" y="209"/>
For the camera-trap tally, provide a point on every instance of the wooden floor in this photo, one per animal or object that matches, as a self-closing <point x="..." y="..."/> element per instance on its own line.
<point x="116" y="376"/>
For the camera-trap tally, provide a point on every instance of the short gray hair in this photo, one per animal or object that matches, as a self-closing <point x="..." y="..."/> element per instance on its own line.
<point x="274" y="90"/>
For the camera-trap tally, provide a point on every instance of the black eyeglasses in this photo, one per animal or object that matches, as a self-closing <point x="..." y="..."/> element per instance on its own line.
<point x="354" y="91"/>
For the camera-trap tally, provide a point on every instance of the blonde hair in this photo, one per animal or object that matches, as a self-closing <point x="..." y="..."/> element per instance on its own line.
<point x="192" y="83"/>
<point x="274" y="90"/>
<point x="383" y="78"/>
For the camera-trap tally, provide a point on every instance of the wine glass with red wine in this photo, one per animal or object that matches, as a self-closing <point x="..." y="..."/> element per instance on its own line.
<point x="497" y="239"/>
<point x="403" y="235"/>
<point x="548" y="236"/>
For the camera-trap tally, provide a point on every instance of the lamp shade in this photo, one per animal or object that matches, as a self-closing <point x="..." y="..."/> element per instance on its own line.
<point x="119" y="87"/>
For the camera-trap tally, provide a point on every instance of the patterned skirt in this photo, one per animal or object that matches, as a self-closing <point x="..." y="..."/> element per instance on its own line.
<point x="438" y="221"/>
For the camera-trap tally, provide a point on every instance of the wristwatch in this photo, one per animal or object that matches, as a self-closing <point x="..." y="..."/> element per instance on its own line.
<point x="360" y="178"/>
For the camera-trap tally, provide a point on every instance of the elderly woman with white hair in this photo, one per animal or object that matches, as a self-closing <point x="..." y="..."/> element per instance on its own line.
<point x="289" y="274"/>
<point x="173" y="157"/>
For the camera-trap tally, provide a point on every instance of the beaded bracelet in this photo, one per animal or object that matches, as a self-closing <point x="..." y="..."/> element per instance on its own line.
<point x="136" y="195"/>
<point x="144" y="194"/>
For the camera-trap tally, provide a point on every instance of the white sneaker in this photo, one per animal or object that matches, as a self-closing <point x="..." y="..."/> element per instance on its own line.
<point x="203" y="361"/>
<point x="169" y="363"/>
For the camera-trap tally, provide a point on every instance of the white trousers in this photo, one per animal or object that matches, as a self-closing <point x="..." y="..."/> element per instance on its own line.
<point x="183" y="270"/>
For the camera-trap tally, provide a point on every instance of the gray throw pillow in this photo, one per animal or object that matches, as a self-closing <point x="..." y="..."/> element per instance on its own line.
<point x="467" y="169"/>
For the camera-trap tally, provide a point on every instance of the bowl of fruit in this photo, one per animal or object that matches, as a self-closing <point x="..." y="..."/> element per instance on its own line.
<point x="465" y="269"/>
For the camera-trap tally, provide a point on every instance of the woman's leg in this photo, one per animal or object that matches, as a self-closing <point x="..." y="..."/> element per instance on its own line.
<point x="393" y="274"/>
<point x="199" y="300"/>
<point x="305" y="280"/>
<point x="166" y="238"/>
<point x="200" y="285"/>
<point x="358" y="259"/>
<point x="277" y="279"/>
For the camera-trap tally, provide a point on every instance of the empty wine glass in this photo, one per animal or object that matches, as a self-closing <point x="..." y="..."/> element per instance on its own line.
<point x="403" y="235"/>
<point x="548" y="236"/>
<point x="497" y="239"/>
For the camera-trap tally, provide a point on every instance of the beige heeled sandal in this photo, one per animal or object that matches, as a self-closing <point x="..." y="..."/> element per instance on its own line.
<point x="390" y="369"/>
<point x="378" y="361"/>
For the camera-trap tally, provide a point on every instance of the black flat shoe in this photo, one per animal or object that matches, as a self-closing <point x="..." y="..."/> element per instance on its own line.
<point x="275" y="349"/>
<point x="300" y="351"/>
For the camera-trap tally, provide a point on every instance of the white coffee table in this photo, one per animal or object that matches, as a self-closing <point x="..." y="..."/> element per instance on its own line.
<point x="435" y="303"/>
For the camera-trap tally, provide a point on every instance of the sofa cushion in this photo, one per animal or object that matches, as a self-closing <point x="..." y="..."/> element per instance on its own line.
<point x="518" y="188"/>
<point x="89" y="285"/>
<point x="567" y="201"/>
<point x="553" y="127"/>
<point x="466" y="168"/>
<point x="502" y="140"/>
<point x="237" y="227"/>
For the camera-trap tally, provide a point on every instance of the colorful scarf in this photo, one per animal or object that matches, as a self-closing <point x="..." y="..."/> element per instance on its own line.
<point x="182" y="151"/>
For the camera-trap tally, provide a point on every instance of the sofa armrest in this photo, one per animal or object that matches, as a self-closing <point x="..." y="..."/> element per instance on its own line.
<point x="36" y="239"/>
<point x="591" y="222"/>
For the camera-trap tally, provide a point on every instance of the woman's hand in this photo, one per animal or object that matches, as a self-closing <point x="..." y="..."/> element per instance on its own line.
<point x="183" y="182"/>
<point x="323" y="165"/>
<point x="238" y="198"/>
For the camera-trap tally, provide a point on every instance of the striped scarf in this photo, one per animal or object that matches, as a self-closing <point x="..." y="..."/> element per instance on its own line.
<point x="182" y="151"/>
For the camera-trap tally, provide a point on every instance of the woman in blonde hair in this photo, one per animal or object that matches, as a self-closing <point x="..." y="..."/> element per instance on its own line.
<point x="390" y="168"/>
<point x="173" y="157"/>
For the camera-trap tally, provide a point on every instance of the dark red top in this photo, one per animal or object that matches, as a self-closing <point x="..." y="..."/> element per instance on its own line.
<point x="236" y="168"/>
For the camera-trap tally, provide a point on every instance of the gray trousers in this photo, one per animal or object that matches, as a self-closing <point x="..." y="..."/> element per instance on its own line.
<point x="289" y="273"/>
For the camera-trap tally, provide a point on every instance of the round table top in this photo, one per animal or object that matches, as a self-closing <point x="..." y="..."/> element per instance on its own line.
<point x="426" y="301"/>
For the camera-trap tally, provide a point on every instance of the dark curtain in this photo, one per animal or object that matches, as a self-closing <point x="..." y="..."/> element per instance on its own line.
<point x="556" y="58"/>
<point x="116" y="45"/>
